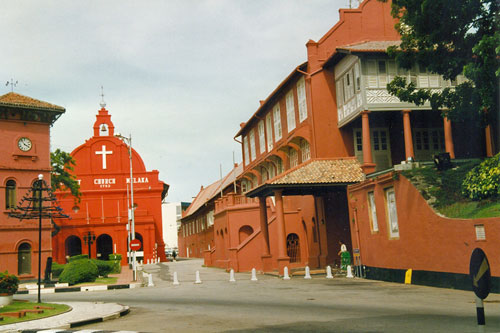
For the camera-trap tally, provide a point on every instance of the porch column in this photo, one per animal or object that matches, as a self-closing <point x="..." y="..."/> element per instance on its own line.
<point x="368" y="165"/>
<point x="489" y="141"/>
<point x="407" y="135"/>
<point x="283" y="259"/>
<point x="448" y="138"/>
<point x="263" y="226"/>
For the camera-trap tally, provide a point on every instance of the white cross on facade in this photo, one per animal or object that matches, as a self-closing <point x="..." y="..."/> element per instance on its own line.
<point x="103" y="152"/>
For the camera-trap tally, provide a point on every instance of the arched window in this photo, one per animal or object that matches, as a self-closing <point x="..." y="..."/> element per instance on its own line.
<point x="244" y="232"/>
<point x="293" y="247"/>
<point x="293" y="157"/>
<point x="10" y="194"/>
<point x="305" y="150"/>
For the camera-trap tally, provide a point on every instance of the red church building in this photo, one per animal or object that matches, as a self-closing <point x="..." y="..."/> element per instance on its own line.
<point x="99" y="223"/>
<point x="24" y="154"/>
<point x="321" y="156"/>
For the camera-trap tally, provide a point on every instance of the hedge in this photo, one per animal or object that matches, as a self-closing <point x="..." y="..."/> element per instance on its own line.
<point x="104" y="267"/>
<point x="483" y="181"/>
<point x="78" y="271"/>
<point x="8" y="283"/>
<point x="57" y="269"/>
<point x="78" y="257"/>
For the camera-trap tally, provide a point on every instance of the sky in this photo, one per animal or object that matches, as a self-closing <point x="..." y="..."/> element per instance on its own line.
<point x="178" y="75"/>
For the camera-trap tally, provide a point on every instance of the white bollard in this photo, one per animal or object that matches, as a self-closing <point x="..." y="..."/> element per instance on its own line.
<point x="148" y="261"/>
<point x="254" y="275"/>
<point x="150" y="280"/>
<point x="142" y="262"/>
<point x="349" y="272"/>
<point x="329" y="272"/>
<point x="176" y="281"/>
<point x="308" y="273"/>
<point x="231" y="276"/>
<point x="198" y="280"/>
<point x="285" y="274"/>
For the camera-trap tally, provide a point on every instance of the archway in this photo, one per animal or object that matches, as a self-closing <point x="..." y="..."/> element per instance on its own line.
<point x="244" y="232"/>
<point x="104" y="246"/>
<point x="73" y="246"/>
<point x="24" y="259"/>
<point x="293" y="247"/>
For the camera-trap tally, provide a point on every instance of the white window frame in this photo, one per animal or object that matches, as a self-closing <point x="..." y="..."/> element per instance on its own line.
<point x="246" y="153"/>
<point x="262" y="136"/>
<point x="277" y="122"/>
<point x="253" y="154"/>
<point x="290" y="111"/>
<point x="305" y="150"/>
<point x="391" y="212"/>
<point x="269" y="132"/>
<point x="372" y="207"/>
<point x="301" y="97"/>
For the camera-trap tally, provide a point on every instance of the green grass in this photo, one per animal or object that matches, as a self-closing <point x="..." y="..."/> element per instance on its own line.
<point x="20" y="305"/>
<point x="446" y="188"/>
<point x="100" y="280"/>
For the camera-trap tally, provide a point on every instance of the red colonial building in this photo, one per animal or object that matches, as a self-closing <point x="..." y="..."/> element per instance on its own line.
<point x="321" y="161"/>
<point x="103" y="172"/>
<point x="24" y="154"/>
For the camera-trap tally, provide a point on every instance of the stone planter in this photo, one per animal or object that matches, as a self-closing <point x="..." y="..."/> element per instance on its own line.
<point x="5" y="299"/>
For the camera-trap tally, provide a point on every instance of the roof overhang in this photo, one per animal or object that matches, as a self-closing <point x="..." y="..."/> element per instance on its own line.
<point x="267" y="190"/>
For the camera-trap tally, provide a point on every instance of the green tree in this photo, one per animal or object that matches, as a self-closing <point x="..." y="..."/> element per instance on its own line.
<point x="62" y="177"/>
<point x="450" y="37"/>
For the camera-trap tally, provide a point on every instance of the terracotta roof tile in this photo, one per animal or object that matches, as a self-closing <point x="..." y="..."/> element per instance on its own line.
<point x="18" y="100"/>
<point x="213" y="190"/>
<point x="319" y="171"/>
<point x="370" y="46"/>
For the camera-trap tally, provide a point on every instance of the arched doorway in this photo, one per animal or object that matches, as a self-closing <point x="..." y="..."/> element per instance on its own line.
<point x="244" y="232"/>
<point x="293" y="247"/>
<point x="73" y="246"/>
<point x="104" y="246"/>
<point x="24" y="259"/>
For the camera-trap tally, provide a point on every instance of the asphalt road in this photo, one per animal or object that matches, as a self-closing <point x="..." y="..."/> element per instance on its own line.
<point x="298" y="305"/>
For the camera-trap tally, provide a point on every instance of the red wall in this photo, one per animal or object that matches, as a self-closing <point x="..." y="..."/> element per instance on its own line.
<point x="427" y="241"/>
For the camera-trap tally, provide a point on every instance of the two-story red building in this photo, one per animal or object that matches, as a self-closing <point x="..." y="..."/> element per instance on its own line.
<point x="104" y="212"/>
<point x="320" y="155"/>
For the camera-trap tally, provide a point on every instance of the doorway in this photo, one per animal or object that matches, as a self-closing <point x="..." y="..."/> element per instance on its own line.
<point x="104" y="246"/>
<point x="24" y="259"/>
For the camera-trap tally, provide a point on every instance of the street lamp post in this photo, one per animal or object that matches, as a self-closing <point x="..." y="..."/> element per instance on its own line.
<point x="132" y="213"/>
<point x="89" y="239"/>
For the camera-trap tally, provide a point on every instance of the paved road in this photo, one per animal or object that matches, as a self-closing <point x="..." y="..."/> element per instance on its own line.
<point x="297" y="305"/>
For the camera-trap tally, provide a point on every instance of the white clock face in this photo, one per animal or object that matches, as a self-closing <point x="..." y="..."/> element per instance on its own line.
<point x="24" y="144"/>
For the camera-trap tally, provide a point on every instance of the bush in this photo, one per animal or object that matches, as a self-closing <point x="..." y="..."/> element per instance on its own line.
<point x="78" y="257"/>
<point x="57" y="269"/>
<point x="117" y="260"/>
<point x="104" y="267"/>
<point x="78" y="271"/>
<point x="483" y="181"/>
<point x="8" y="283"/>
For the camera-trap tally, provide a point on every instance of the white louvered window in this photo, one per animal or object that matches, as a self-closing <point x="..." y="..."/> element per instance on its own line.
<point x="262" y="137"/>
<point x="269" y="131"/>
<point x="246" y="157"/>
<point x="277" y="122"/>
<point x="252" y="145"/>
<point x="301" y="96"/>
<point x="373" y="211"/>
<point x="293" y="157"/>
<point x="290" y="111"/>
<point x="305" y="150"/>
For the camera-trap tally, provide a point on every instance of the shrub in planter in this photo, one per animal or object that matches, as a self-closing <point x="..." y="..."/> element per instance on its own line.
<point x="78" y="271"/>
<point x="78" y="257"/>
<point x="57" y="269"/>
<point x="483" y="181"/>
<point x="8" y="283"/>
<point x="104" y="267"/>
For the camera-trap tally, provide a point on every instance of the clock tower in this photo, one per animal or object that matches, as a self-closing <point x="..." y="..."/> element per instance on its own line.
<point x="24" y="154"/>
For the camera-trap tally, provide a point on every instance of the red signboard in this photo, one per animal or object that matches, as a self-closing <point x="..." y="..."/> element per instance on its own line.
<point x="135" y="244"/>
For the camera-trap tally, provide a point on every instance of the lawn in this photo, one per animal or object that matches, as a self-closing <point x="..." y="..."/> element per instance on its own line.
<point x="22" y="305"/>
<point x="443" y="190"/>
<point x="99" y="280"/>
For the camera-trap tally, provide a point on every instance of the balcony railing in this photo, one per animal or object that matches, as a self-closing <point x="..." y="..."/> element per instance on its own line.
<point x="232" y="200"/>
